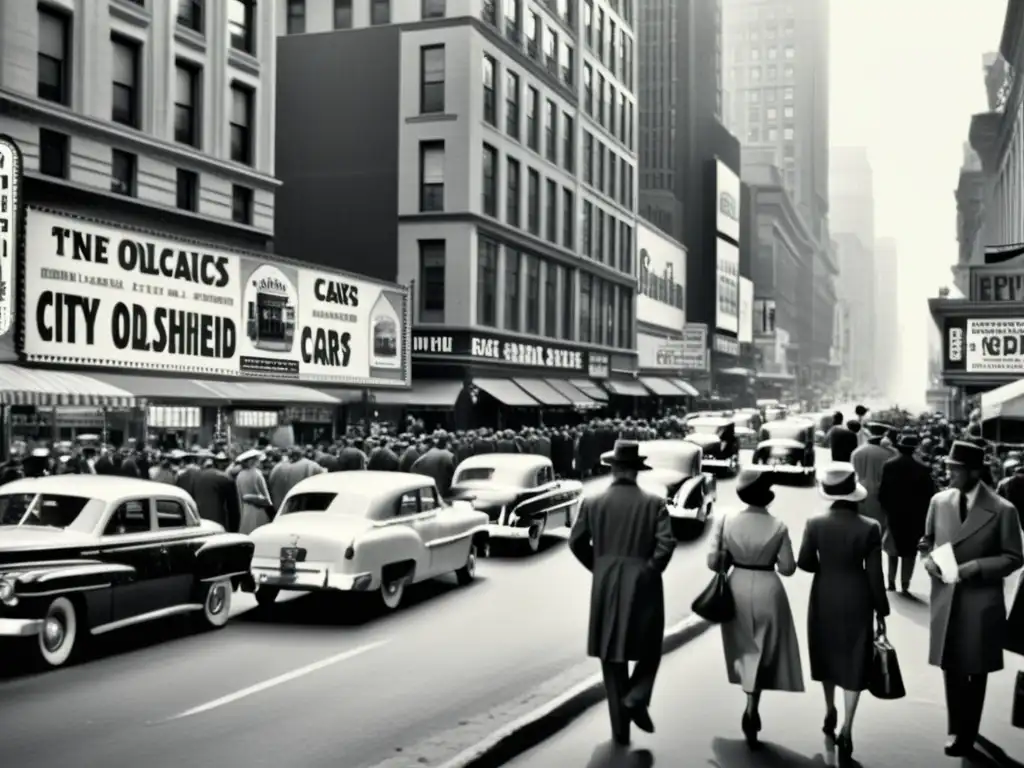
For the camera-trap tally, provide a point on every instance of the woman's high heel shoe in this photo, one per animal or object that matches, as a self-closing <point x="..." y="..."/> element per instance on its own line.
<point x="831" y="721"/>
<point x="750" y="726"/>
<point x="844" y="746"/>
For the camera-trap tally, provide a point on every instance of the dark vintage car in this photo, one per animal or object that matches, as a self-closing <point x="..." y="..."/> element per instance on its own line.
<point x="520" y="494"/>
<point x="84" y="555"/>
<point x="748" y="422"/>
<point x="676" y="474"/>
<point x="787" y="448"/>
<point x="716" y="435"/>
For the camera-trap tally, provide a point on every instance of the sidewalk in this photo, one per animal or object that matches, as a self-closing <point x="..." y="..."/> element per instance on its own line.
<point x="697" y="713"/>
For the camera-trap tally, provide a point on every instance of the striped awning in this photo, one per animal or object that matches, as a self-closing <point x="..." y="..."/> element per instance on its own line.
<point x="266" y="392"/>
<point x="27" y="386"/>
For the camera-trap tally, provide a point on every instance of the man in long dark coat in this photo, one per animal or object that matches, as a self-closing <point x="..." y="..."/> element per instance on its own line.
<point x="438" y="463"/>
<point x="624" y="538"/>
<point x="905" y="492"/>
<point x="968" y="617"/>
<point x="840" y="440"/>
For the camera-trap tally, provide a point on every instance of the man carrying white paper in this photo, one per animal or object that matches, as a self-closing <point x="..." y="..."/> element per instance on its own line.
<point x="971" y="543"/>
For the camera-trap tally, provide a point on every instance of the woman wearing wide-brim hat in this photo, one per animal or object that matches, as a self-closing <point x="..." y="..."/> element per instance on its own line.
<point x="762" y="652"/>
<point x="253" y="491"/>
<point x="843" y="549"/>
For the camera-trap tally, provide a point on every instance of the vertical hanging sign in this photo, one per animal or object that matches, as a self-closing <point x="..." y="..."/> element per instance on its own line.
<point x="10" y="227"/>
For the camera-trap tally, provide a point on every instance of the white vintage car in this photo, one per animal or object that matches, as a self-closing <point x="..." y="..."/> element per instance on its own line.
<point x="362" y="532"/>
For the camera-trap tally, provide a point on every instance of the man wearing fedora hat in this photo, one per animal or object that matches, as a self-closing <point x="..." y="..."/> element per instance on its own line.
<point x="904" y="492"/>
<point x="623" y="536"/>
<point x="968" y="617"/>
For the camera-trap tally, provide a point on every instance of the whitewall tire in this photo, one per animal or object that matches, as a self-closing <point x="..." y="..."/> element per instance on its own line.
<point x="467" y="573"/>
<point x="535" y="536"/>
<point x="59" y="634"/>
<point x="217" y="603"/>
<point x="391" y="593"/>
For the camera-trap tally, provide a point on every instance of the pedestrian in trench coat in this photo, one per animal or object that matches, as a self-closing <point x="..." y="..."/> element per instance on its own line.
<point x="624" y="538"/>
<point x="905" y="491"/>
<point x="868" y="461"/>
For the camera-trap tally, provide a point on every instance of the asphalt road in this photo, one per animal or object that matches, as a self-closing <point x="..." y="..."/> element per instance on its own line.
<point x="316" y="681"/>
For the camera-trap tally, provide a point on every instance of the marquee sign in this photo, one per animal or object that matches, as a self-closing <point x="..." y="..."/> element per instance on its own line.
<point x="11" y="224"/>
<point x="984" y="346"/>
<point x="108" y="296"/>
<point x="502" y="348"/>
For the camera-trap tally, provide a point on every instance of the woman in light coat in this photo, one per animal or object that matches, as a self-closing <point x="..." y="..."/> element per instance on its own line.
<point x="762" y="652"/>
<point x="253" y="491"/>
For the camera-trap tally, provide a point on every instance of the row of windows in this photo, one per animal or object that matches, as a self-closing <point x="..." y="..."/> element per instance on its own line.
<point x="608" y="106"/>
<point x="606" y="239"/>
<point x="543" y="44"/>
<point x="612" y="46"/>
<point x="55" y="159"/>
<point x="380" y="13"/>
<point x="770" y="95"/>
<point x="54" y="84"/>
<point x="559" y="134"/>
<point x="771" y="114"/>
<point x="606" y="172"/>
<point x="770" y="134"/>
<point x="771" y="72"/>
<point x="771" y="53"/>
<point x="770" y="29"/>
<point x="192" y="14"/>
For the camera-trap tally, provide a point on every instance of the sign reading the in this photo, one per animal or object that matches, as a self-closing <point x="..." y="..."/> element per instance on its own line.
<point x="10" y="225"/>
<point x="104" y="296"/>
<point x="502" y="349"/>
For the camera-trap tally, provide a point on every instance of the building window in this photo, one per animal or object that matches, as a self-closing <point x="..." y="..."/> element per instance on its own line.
<point x="790" y="52"/>
<point x="551" y="210"/>
<point x="432" y="176"/>
<point x="53" y="153"/>
<point x="432" y="260"/>
<point x="567" y="63"/>
<point x="788" y="72"/>
<point x="54" y="58"/>
<point x="190" y="15"/>
<point x="568" y="218"/>
<point x="588" y="89"/>
<point x="772" y="114"/>
<point x="241" y="25"/>
<point x="241" y="124"/>
<point x="512" y="104"/>
<point x="433" y="9"/>
<point x="586" y="287"/>
<point x="122" y="172"/>
<point x="532" y="294"/>
<point x="125" y="104"/>
<point x="599" y="235"/>
<point x="512" y="193"/>
<point x="432" y="79"/>
<point x="241" y="204"/>
<point x="551" y="300"/>
<point x="626" y="244"/>
<point x="188" y="190"/>
<point x="551" y="50"/>
<point x="588" y="22"/>
<point x="490" y="103"/>
<point x="551" y="131"/>
<point x="343" y="14"/>
<point x="380" y="12"/>
<point x="487" y="283"/>
<point x="532" y="127"/>
<point x="787" y="112"/>
<point x="513" y="320"/>
<point x="588" y="157"/>
<point x="512" y="16"/>
<point x="787" y="93"/>
<point x="587" y="225"/>
<point x="625" y="340"/>
<point x="490" y="181"/>
<point x="186" y="98"/>
<point x="787" y="134"/>
<point x="568" y="142"/>
<point x="532" y="34"/>
<point x="296" y="19"/>
<point x="568" y="304"/>
<point x="533" y="202"/>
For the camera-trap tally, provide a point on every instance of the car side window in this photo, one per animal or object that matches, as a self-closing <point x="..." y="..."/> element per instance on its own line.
<point x="543" y="476"/>
<point x="408" y="504"/>
<point x="428" y="499"/>
<point x="170" y="514"/>
<point x="131" y="517"/>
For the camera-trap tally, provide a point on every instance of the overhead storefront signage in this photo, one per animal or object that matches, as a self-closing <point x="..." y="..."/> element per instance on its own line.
<point x="727" y="345"/>
<point x="500" y="348"/>
<point x="598" y="366"/>
<point x="745" y="334"/>
<point x="661" y="282"/>
<point x="727" y="316"/>
<point x="100" y="295"/>
<point x="1001" y="283"/>
<point x="727" y="193"/>
<point x="984" y="345"/>
<point x="11" y="222"/>
<point x="659" y="353"/>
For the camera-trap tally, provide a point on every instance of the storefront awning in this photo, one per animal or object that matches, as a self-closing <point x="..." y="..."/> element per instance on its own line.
<point x="345" y="395"/>
<point x="425" y="394"/>
<point x="573" y="395"/>
<point x="737" y="371"/>
<point x="27" y="386"/>
<point x="687" y="387"/>
<point x="506" y="391"/>
<point x="766" y="376"/>
<point x="661" y="387"/>
<point x="266" y="392"/>
<point x="590" y="389"/>
<point x="1006" y="402"/>
<point x="543" y="392"/>
<point x="626" y="388"/>
<point x="160" y="388"/>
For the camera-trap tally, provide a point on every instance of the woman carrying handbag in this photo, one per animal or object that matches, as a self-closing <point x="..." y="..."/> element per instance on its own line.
<point x="758" y="635"/>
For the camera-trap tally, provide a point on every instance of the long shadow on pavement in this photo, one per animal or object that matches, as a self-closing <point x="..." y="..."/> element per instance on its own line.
<point x="734" y="753"/>
<point x="611" y="755"/>
<point x="993" y="757"/>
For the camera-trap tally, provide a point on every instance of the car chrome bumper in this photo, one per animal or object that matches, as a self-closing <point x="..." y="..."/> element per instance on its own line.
<point x="790" y="469"/>
<point x="20" y="627"/>
<point x="499" y="531"/>
<point x="724" y="463"/>
<point x="307" y="581"/>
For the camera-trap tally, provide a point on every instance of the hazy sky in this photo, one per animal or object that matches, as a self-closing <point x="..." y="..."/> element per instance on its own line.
<point x="906" y="77"/>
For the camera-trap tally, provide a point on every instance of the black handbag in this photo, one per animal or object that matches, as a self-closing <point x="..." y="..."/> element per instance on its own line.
<point x="1018" y="702"/>
<point x="715" y="603"/>
<point x="886" y="680"/>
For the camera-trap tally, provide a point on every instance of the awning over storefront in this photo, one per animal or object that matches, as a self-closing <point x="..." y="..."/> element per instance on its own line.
<point x="590" y="389"/>
<point x="766" y="376"/>
<point x="160" y="388"/>
<point x="266" y="392"/>
<point x="687" y="387"/>
<point x="574" y="395"/>
<point x="506" y="391"/>
<point x="626" y="388"/>
<point x="27" y="386"/>
<point x="1006" y="402"/>
<point x="425" y="394"/>
<point x="661" y="387"/>
<point x="543" y="392"/>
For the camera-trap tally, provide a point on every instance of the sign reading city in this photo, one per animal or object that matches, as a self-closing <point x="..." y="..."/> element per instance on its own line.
<point x="503" y="349"/>
<point x="10" y="226"/>
<point x="661" y="282"/>
<point x="100" y="295"/>
<point x="985" y="345"/>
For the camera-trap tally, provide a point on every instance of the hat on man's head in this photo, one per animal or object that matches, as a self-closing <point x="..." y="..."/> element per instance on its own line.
<point x="861" y="410"/>
<point x="626" y="455"/>
<point x="837" y="481"/>
<point x="878" y="429"/>
<point x="908" y="443"/>
<point x="754" y="487"/>
<point x="967" y="455"/>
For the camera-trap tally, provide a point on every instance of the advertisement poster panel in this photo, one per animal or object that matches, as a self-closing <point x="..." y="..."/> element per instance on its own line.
<point x="727" y="316"/>
<point x="661" y="281"/>
<point x="745" y="335"/>
<point x="986" y="346"/>
<point x="728" y="201"/>
<point x="103" y="295"/>
<point x="10" y="227"/>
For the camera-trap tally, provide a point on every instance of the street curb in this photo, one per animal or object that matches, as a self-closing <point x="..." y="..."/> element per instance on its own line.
<point x="533" y="728"/>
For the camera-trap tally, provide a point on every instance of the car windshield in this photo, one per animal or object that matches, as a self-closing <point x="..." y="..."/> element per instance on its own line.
<point x="474" y="473"/>
<point x="706" y="427"/>
<point x="48" y="510"/>
<point x="512" y="475"/>
<point x="785" y="431"/>
<point x="344" y="502"/>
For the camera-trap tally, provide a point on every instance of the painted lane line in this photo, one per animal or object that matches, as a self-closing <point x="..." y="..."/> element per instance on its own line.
<point x="273" y="682"/>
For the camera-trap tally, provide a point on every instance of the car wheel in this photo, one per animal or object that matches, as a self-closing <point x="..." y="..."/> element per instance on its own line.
<point x="265" y="596"/>
<point x="217" y="604"/>
<point x="535" y="535"/>
<point x="467" y="573"/>
<point x="391" y="593"/>
<point x="59" y="634"/>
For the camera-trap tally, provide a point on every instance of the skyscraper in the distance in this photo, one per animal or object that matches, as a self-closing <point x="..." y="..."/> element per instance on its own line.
<point x="887" y="344"/>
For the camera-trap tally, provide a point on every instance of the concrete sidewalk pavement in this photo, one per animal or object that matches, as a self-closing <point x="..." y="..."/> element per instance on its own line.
<point x="697" y="713"/>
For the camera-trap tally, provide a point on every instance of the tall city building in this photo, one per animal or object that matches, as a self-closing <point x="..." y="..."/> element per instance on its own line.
<point x="488" y="158"/>
<point x="887" y="338"/>
<point x="852" y="203"/>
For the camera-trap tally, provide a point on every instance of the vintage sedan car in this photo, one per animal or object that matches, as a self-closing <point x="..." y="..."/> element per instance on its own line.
<point x="748" y="422"/>
<point x="677" y="475"/>
<point x="787" y="448"/>
<point x="519" y="494"/>
<point x="84" y="555"/>
<point x="364" y="531"/>
<point x="716" y="435"/>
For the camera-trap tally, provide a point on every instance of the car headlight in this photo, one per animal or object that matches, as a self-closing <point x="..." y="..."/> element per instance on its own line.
<point x="7" y="592"/>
